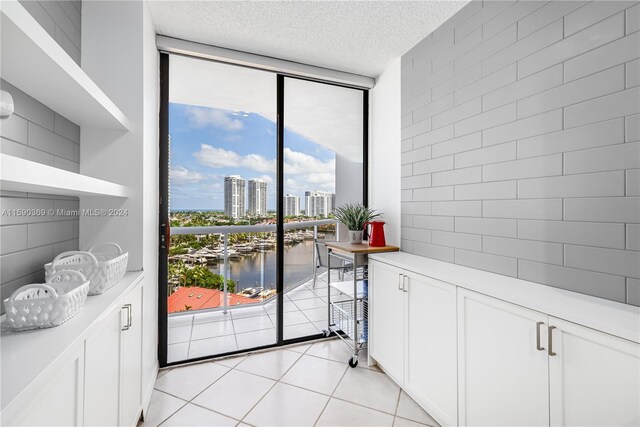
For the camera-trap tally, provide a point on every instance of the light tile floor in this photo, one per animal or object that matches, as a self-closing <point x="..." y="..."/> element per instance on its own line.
<point x="212" y="333"/>
<point x="304" y="385"/>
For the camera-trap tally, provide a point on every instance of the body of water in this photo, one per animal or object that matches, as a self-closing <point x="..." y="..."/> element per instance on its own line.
<point x="248" y="270"/>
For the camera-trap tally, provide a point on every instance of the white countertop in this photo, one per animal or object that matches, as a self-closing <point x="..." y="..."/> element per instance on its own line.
<point x="612" y="317"/>
<point x="25" y="355"/>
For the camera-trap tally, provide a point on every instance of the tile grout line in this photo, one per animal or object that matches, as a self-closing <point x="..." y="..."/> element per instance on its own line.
<point x="173" y="413"/>
<point x="276" y="382"/>
<point x="205" y="389"/>
<point x="331" y="396"/>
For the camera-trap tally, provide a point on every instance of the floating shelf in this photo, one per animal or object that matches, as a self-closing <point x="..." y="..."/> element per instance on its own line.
<point x="17" y="174"/>
<point x="33" y="62"/>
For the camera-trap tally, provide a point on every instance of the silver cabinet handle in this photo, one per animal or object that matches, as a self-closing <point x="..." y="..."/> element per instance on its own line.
<point x="127" y="326"/>
<point x="550" y="342"/>
<point x="404" y="283"/>
<point x="400" y="281"/>
<point x="538" y="346"/>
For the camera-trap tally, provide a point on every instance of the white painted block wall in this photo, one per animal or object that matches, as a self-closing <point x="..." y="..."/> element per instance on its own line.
<point x="520" y="143"/>
<point x="37" y="133"/>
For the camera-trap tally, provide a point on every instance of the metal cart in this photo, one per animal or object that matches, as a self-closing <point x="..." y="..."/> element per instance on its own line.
<point x="348" y="311"/>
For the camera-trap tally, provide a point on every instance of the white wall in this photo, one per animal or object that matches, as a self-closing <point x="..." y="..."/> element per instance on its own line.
<point x="119" y="53"/>
<point x="521" y="144"/>
<point x="384" y="150"/>
<point x="112" y="56"/>
<point x="348" y="186"/>
<point x="151" y="99"/>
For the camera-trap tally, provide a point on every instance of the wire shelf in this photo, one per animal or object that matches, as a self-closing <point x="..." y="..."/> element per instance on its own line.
<point x="343" y="319"/>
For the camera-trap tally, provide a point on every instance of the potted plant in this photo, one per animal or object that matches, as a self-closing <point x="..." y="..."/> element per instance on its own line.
<point x="354" y="216"/>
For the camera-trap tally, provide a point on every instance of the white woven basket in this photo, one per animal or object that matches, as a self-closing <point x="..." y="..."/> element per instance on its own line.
<point x="103" y="269"/>
<point x="44" y="305"/>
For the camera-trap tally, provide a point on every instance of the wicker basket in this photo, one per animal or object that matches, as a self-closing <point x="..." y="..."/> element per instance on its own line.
<point x="103" y="269"/>
<point x="44" y="305"/>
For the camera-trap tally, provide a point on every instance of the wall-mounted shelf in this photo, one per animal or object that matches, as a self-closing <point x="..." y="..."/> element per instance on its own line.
<point x="33" y="62"/>
<point x="17" y="174"/>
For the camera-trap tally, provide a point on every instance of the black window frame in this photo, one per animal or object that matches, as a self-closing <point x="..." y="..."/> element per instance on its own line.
<point x="164" y="231"/>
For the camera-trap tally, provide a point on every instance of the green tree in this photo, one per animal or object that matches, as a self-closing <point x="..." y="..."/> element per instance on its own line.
<point x="198" y="276"/>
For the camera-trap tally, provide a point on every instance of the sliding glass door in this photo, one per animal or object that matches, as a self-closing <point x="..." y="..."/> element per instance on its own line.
<point x="323" y="168"/>
<point x="252" y="166"/>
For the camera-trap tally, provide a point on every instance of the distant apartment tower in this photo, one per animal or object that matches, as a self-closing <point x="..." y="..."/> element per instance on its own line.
<point x="291" y="205"/>
<point x="319" y="203"/>
<point x="257" y="197"/>
<point x="234" y="196"/>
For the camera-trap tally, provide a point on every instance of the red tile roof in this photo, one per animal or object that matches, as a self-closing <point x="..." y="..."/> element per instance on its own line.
<point x="199" y="298"/>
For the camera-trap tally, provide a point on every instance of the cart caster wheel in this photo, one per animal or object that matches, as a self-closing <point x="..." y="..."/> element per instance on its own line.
<point x="326" y="333"/>
<point x="353" y="362"/>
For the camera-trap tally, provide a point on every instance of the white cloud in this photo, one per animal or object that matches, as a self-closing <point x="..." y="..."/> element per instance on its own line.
<point x="296" y="163"/>
<point x="213" y="157"/>
<point x="182" y="175"/>
<point x="303" y="172"/>
<point x="203" y="117"/>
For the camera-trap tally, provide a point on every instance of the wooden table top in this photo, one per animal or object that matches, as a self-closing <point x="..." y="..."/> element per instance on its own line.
<point x="360" y="248"/>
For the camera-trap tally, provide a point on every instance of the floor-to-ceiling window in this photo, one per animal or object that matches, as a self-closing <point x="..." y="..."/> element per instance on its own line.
<point x="253" y="166"/>
<point x="323" y="169"/>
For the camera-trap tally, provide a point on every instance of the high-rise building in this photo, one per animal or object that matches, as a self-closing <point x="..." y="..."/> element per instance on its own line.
<point x="257" y="197"/>
<point x="234" y="196"/>
<point x="291" y="205"/>
<point x="319" y="203"/>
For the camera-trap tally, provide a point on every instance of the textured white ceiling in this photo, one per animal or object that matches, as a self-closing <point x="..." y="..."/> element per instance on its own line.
<point x="360" y="37"/>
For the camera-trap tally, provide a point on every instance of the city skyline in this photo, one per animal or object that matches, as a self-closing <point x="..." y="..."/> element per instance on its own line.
<point x="209" y="144"/>
<point x="317" y="203"/>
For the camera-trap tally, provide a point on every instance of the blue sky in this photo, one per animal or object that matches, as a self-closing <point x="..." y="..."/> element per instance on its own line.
<point x="208" y="144"/>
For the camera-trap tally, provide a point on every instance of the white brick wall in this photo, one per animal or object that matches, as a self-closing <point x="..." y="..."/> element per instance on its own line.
<point x="37" y="133"/>
<point x="521" y="151"/>
<point x="61" y="19"/>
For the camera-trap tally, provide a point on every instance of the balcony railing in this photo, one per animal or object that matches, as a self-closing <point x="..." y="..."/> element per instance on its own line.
<point x="225" y="230"/>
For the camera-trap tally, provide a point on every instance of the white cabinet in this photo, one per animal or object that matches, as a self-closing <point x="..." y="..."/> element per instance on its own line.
<point x="594" y="378"/>
<point x="55" y="400"/>
<point x="131" y="372"/>
<point x="84" y="372"/>
<point x="113" y="358"/>
<point x="386" y="313"/>
<point x="431" y="347"/>
<point x="521" y="367"/>
<point x="476" y="354"/>
<point x="503" y="376"/>
<point x="413" y="336"/>
<point x="102" y="367"/>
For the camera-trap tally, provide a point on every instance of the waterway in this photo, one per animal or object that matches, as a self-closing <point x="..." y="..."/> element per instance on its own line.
<point x="249" y="270"/>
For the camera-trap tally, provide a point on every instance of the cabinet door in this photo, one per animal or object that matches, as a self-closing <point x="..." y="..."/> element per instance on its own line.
<point x="131" y="372"/>
<point x="431" y="347"/>
<point x="503" y="378"/>
<point x="102" y="372"/>
<point x="386" y="319"/>
<point x="55" y="398"/>
<point x="594" y="378"/>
